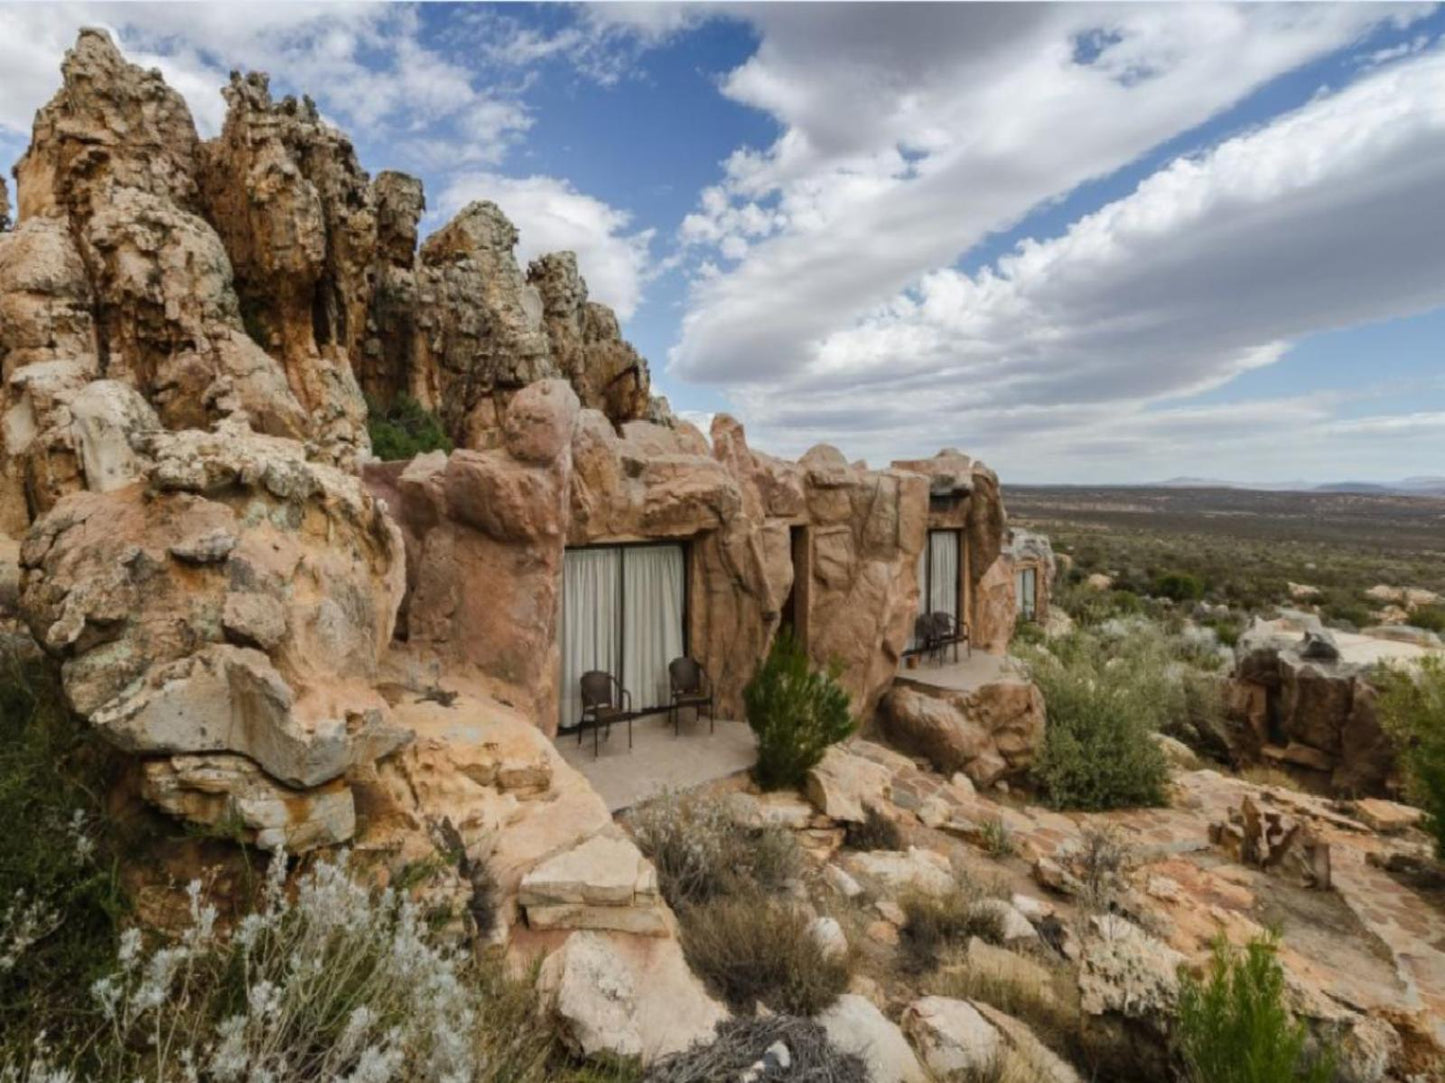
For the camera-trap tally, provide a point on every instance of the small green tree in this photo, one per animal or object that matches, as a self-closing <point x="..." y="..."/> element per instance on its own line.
<point x="1234" y="1026"/>
<point x="796" y="712"/>
<point x="1412" y="707"/>
<point x="404" y="429"/>
<point x="1178" y="587"/>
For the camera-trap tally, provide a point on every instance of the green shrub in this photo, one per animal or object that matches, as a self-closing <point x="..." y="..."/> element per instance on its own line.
<point x="1412" y="706"/>
<point x="702" y="853"/>
<point x="60" y="896"/>
<point x="1234" y="1026"/>
<point x="404" y="429"/>
<point x="1352" y="614"/>
<point x="796" y="712"/>
<point x="1103" y="700"/>
<point x="1178" y="587"/>
<point x="750" y="948"/>
<point x="996" y="838"/>
<point x="1429" y="617"/>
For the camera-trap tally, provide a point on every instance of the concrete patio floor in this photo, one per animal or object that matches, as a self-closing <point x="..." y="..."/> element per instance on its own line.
<point x="968" y="673"/>
<point x="658" y="760"/>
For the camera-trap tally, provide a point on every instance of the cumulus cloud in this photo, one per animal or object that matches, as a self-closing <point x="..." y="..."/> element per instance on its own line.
<point x="551" y="215"/>
<point x="1319" y="220"/>
<point x="910" y="134"/>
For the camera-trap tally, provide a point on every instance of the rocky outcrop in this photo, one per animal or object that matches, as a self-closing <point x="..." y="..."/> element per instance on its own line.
<point x="236" y="601"/>
<point x="293" y="207"/>
<point x="1302" y="701"/>
<point x="989" y="732"/>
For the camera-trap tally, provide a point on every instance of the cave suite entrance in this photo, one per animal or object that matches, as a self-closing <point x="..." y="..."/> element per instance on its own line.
<point x="624" y="612"/>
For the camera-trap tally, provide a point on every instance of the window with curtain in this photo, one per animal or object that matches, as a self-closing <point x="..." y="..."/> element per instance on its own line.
<point x="623" y="614"/>
<point x="938" y="564"/>
<point x="1026" y="591"/>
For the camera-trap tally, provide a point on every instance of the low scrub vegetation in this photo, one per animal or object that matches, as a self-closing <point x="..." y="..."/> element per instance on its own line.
<point x="934" y="924"/>
<point x="404" y="429"/>
<point x="60" y="896"/>
<point x="702" y="852"/>
<point x="796" y="712"/>
<point x="1234" y="1026"/>
<point x="753" y="949"/>
<point x="1412" y="705"/>
<point x="876" y="832"/>
<point x="328" y="978"/>
<point x="1104" y="698"/>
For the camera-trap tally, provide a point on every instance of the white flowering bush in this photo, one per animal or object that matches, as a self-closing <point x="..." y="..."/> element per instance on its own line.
<point x="333" y="981"/>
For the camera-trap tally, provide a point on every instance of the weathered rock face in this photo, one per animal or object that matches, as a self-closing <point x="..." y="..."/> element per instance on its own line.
<point x="586" y="343"/>
<point x="1302" y="701"/>
<point x="113" y="159"/>
<point x="484" y="534"/>
<point x="460" y="329"/>
<point x="236" y="602"/>
<point x="293" y="208"/>
<point x="989" y="732"/>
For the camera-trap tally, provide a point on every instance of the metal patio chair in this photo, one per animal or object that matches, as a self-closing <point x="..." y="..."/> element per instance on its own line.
<point x="690" y="688"/>
<point x="604" y="701"/>
<point x="948" y="632"/>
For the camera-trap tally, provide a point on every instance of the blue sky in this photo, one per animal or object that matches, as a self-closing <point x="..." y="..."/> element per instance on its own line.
<point x="1085" y="242"/>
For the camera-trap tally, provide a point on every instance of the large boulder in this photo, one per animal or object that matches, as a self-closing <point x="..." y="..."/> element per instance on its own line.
<point x="951" y="1036"/>
<point x="855" y="1025"/>
<point x="237" y="601"/>
<point x="989" y="732"/>
<point x="615" y="995"/>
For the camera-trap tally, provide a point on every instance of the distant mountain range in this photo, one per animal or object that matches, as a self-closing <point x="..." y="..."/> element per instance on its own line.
<point x="1417" y="486"/>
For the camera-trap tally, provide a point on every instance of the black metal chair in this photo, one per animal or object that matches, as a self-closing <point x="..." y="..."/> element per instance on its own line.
<point x="924" y="640"/>
<point x="948" y="632"/>
<point x="604" y="701"/>
<point x="690" y="688"/>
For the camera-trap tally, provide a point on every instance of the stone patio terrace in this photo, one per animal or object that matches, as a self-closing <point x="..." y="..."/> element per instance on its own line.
<point x="969" y="672"/>
<point x="658" y="760"/>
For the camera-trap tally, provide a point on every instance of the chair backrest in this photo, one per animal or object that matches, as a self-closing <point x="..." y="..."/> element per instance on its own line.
<point x="923" y="627"/>
<point x="596" y="689"/>
<point x="942" y="623"/>
<point x="685" y="674"/>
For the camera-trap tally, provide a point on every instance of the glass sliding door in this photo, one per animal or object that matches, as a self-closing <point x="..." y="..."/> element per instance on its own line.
<point x="938" y="569"/>
<point x="1026" y="591"/>
<point x="623" y="612"/>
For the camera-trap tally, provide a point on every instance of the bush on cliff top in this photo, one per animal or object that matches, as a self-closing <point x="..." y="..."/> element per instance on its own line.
<point x="796" y="712"/>
<point x="1412" y="706"/>
<point x="404" y="429"/>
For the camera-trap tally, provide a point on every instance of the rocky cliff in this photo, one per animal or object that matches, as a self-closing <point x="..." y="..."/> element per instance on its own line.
<point x="260" y="275"/>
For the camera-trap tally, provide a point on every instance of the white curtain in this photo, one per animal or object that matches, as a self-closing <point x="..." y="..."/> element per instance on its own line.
<point x="943" y="564"/>
<point x="652" y="636"/>
<point x="1026" y="591"/>
<point x="590" y="624"/>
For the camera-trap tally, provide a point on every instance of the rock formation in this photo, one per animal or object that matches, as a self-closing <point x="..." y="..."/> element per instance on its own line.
<point x="1302" y="701"/>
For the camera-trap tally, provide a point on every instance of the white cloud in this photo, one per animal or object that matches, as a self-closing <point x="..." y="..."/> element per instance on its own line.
<point x="1325" y="218"/>
<point x="910" y="133"/>
<point x="551" y="215"/>
<point x="365" y="64"/>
